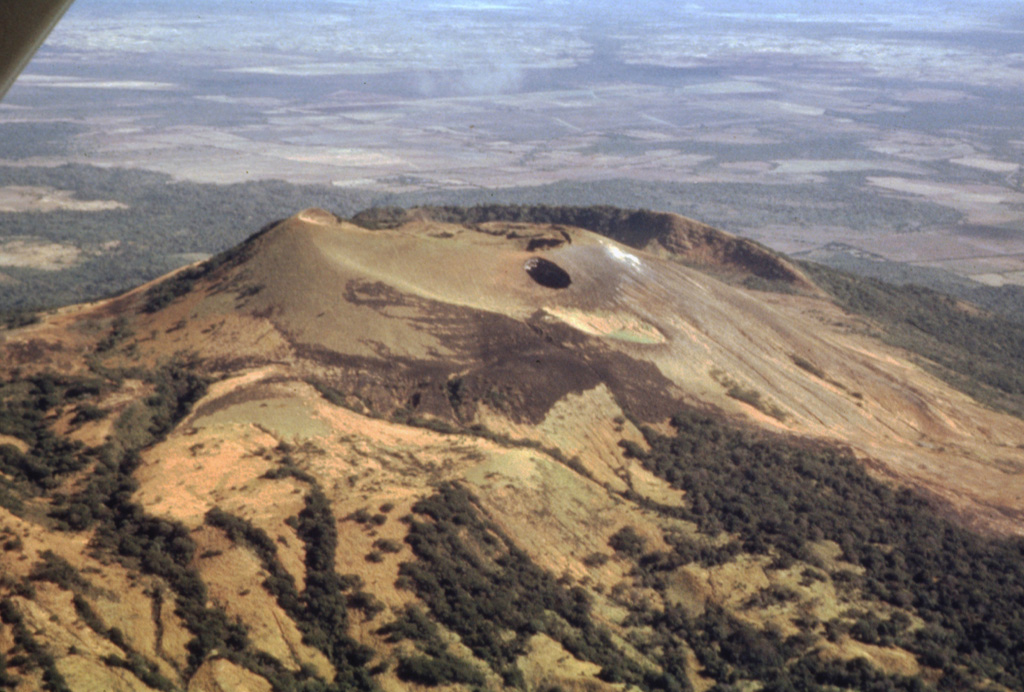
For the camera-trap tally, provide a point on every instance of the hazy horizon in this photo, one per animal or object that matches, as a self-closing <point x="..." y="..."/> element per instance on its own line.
<point x="892" y="128"/>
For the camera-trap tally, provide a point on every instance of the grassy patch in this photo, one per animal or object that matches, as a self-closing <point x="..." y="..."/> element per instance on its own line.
<point x="748" y="395"/>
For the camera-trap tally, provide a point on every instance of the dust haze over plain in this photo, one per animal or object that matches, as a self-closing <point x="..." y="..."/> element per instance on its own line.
<point x="501" y="47"/>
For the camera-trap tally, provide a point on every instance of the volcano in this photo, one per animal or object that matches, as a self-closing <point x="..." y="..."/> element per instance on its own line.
<point x="499" y="448"/>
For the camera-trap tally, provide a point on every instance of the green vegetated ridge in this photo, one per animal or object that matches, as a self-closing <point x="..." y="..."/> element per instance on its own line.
<point x="979" y="352"/>
<point x="635" y="226"/>
<point x="1006" y="300"/>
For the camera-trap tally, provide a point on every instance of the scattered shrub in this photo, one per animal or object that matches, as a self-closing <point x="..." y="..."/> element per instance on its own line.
<point x="387" y="545"/>
<point x="627" y="541"/>
<point x="445" y="670"/>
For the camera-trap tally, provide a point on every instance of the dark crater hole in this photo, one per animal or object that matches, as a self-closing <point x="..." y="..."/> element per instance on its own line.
<point x="547" y="273"/>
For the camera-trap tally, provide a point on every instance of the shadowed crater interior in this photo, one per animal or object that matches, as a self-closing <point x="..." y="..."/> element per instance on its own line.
<point x="547" y="273"/>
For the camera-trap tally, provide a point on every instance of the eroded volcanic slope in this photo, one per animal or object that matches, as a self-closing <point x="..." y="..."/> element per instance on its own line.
<point x="443" y="447"/>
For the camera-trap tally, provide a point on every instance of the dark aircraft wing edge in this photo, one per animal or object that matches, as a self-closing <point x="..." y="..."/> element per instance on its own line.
<point x="24" y="25"/>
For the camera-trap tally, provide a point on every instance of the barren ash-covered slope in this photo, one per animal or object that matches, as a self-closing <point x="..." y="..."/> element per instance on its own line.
<point x="488" y="448"/>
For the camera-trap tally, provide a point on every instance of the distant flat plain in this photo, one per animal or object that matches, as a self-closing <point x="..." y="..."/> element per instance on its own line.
<point x="896" y="131"/>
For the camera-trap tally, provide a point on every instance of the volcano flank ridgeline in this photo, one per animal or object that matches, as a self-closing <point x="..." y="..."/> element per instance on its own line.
<point x="493" y="448"/>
